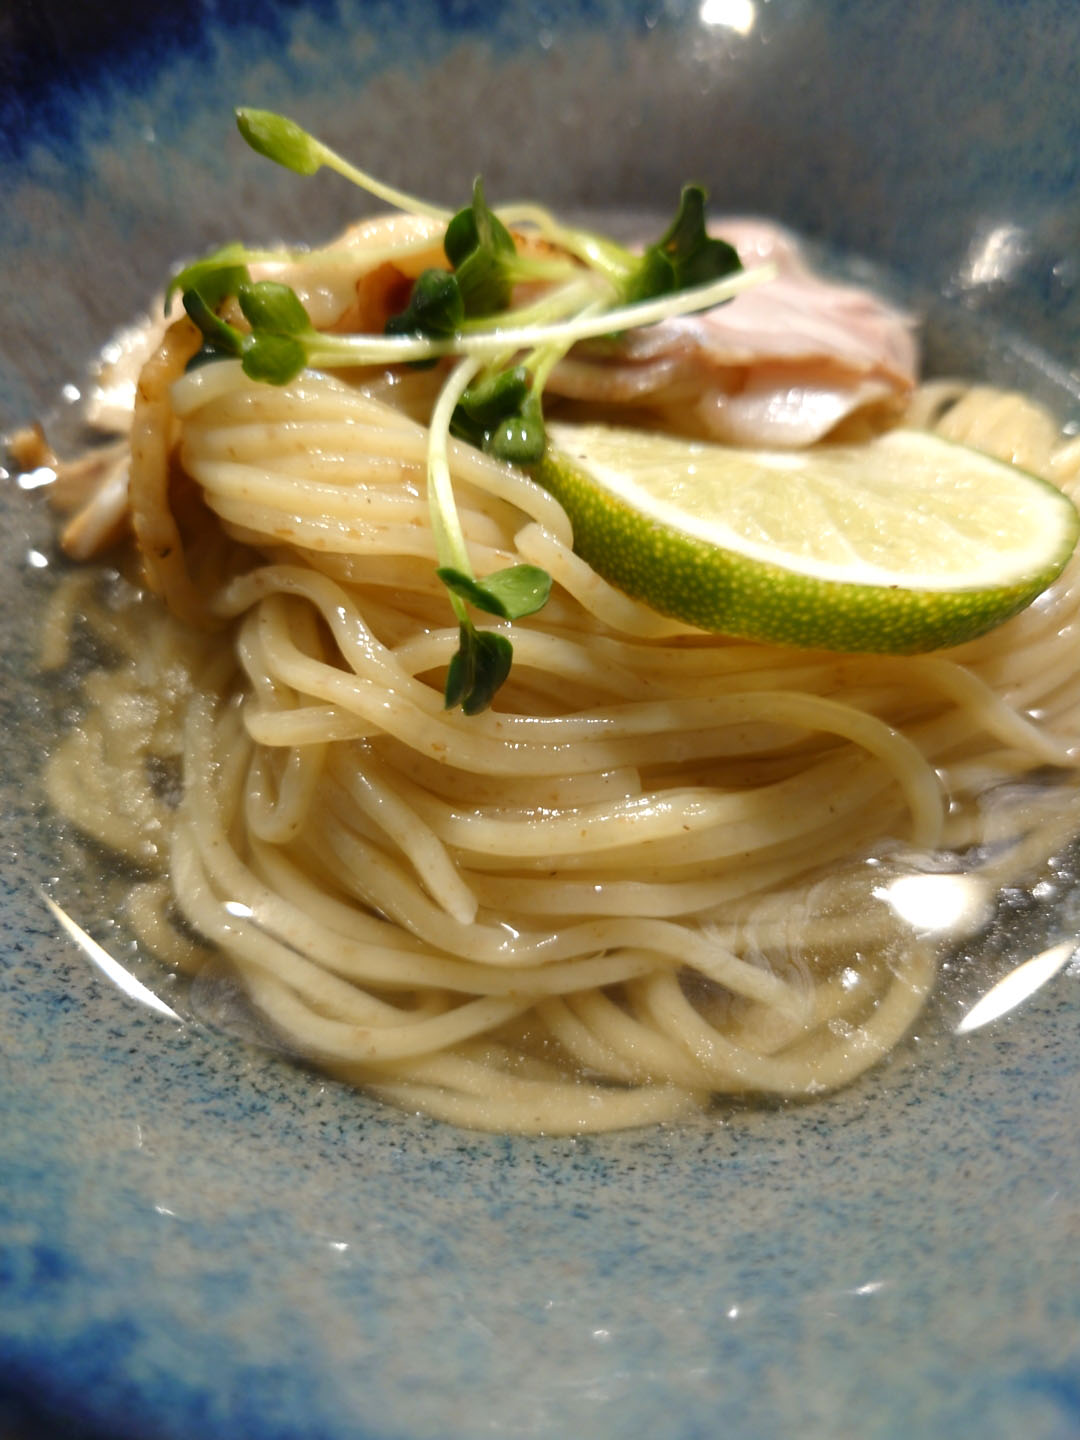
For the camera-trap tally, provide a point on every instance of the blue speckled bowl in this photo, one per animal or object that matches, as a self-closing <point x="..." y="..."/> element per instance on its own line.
<point x="198" y="1239"/>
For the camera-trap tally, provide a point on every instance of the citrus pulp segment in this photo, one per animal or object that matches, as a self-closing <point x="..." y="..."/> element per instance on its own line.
<point x="905" y="543"/>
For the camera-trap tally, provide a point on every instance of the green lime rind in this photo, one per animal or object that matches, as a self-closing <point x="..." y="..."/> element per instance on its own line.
<point x="720" y="590"/>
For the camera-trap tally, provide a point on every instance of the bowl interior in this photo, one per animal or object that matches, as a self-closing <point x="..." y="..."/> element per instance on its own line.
<point x="199" y="1234"/>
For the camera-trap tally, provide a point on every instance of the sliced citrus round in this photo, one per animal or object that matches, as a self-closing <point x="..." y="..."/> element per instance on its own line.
<point x="906" y="543"/>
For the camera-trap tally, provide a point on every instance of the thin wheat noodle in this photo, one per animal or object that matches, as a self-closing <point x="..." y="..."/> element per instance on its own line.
<point x="656" y="871"/>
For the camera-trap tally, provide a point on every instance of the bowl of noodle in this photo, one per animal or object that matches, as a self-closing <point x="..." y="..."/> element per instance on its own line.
<point x="679" y="1041"/>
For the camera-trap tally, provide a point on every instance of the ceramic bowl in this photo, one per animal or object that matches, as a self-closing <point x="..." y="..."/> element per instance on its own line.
<point x="198" y="1237"/>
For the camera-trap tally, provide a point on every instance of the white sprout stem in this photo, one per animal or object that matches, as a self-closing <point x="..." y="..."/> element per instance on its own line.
<point x="577" y="298"/>
<point x="553" y="306"/>
<point x="334" y="255"/>
<point x="399" y="199"/>
<point x="577" y="242"/>
<point x="620" y="317"/>
<point x="445" y="524"/>
<point x="390" y="350"/>
<point x="548" y="356"/>
<point x="597" y="251"/>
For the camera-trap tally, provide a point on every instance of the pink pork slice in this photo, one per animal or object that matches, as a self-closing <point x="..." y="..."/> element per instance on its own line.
<point x="779" y="366"/>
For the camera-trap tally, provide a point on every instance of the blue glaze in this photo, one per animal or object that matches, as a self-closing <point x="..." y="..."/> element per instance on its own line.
<point x="197" y="1238"/>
